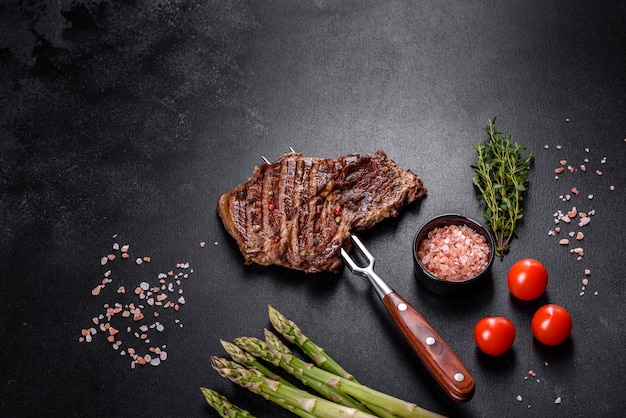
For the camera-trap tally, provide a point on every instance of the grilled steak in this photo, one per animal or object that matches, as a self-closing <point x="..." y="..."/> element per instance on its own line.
<point x="297" y="212"/>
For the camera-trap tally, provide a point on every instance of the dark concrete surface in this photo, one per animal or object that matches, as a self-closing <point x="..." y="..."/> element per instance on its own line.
<point x="122" y="122"/>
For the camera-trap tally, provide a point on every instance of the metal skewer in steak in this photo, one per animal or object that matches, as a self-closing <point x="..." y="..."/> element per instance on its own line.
<point x="298" y="212"/>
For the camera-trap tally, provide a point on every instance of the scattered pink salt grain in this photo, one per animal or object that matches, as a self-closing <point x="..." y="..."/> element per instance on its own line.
<point x="96" y="290"/>
<point x="135" y="315"/>
<point x="454" y="252"/>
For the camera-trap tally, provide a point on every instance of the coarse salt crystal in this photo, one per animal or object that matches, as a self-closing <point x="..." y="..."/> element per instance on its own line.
<point x="440" y="253"/>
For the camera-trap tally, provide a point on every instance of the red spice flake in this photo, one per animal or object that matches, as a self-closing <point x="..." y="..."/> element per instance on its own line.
<point x="575" y="191"/>
<point x="598" y="172"/>
<point x="111" y="257"/>
<point x="277" y="238"/>
<point x="564" y="241"/>
<point x="338" y="210"/>
<point x="454" y="252"/>
<point x="271" y="207"/>
<point x="532" y="373"/>
<point x="202" y="244"/>
<point x="559" y="170"/>
<point x="580" y="236"/>
<point x="563" y="162"/>
<point x="146" y="259"/>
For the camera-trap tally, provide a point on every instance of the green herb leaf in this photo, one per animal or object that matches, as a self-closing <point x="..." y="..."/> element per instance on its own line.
<point x="501" y="179"/>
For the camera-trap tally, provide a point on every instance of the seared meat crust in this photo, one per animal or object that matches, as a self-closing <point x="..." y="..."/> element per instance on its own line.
<point x="297" y="212"/>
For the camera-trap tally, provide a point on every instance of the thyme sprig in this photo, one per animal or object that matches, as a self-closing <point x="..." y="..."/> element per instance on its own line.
<point x="501" y="178"/>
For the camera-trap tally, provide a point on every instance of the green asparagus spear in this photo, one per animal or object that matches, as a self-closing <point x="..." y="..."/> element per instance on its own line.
<point x="243" y="357"/>
<point x="294" y="335"/>
<point x="356" y="390"/>
<point x="274" y="343"/>
<point x="329" y="392"/>
<point x="288" y="395"/>
<point x="223" y="406"/>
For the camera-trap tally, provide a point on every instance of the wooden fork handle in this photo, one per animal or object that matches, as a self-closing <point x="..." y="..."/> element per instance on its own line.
<point x="436" y="355"/>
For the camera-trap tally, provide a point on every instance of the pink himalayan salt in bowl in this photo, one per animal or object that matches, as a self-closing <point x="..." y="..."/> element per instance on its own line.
<point x="452" y="253"/>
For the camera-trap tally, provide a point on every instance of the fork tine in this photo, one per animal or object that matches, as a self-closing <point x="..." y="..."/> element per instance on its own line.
<point x="352" y="264"/>
<point x="268" y="161"/>
<point x="349" y="261"/>
<point x="363" y="249"/>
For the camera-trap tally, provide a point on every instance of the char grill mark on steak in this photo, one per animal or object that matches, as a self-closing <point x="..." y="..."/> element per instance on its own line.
<point x="304" y="193"/>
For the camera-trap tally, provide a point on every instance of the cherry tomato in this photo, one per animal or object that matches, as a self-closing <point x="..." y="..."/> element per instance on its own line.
<point x="494" y="335"/>
<point x="527" y="279"/>
<point x="551" y="324"/>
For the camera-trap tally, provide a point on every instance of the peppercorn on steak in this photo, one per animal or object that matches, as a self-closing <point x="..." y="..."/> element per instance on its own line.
<point x="298" y="212"/>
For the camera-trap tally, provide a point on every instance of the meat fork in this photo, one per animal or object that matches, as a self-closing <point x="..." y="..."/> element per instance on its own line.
<point x="436" y="355"/>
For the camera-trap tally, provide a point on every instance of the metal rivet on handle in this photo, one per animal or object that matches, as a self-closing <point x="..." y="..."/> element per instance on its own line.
<point x="459" y="377"/>
<point x="430" y="340"/>
<point x="402" y="307"/>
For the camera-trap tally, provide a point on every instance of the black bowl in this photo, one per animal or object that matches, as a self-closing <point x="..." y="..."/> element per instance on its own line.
<point x="451" y="287"/>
